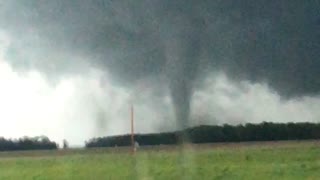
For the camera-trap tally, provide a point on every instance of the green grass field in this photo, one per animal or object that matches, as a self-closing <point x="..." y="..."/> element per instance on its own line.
<point x="283" y="160"/>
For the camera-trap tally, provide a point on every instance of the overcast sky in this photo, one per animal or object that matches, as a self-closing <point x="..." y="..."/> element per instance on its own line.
<point x="71" y="69"/>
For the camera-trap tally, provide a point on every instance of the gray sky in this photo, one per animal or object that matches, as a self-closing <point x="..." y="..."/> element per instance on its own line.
<point x="71" y="69"/>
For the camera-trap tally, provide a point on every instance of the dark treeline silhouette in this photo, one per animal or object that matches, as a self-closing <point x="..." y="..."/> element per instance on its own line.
<point x="27" y="143"/>
<point x="266" y="131"/>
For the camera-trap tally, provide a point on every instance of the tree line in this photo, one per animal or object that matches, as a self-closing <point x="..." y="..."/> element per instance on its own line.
<point x="265" y="131"/>
<point x="27" y="143"/>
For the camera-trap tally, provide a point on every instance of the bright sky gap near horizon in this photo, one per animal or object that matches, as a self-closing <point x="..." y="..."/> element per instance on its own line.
<point x="71" y="69"/>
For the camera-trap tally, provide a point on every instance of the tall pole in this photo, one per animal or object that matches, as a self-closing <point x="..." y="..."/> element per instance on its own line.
<point x="132" y="129"/>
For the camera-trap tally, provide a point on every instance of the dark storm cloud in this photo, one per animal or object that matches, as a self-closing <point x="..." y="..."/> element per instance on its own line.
<point x="179" y="41"/>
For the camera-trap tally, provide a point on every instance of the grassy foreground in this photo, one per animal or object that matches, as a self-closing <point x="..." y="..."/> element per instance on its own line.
<point x="294" y="160"/>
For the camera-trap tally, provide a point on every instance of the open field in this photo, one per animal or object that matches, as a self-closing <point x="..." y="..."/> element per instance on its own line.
<point x="258" y="160"/>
